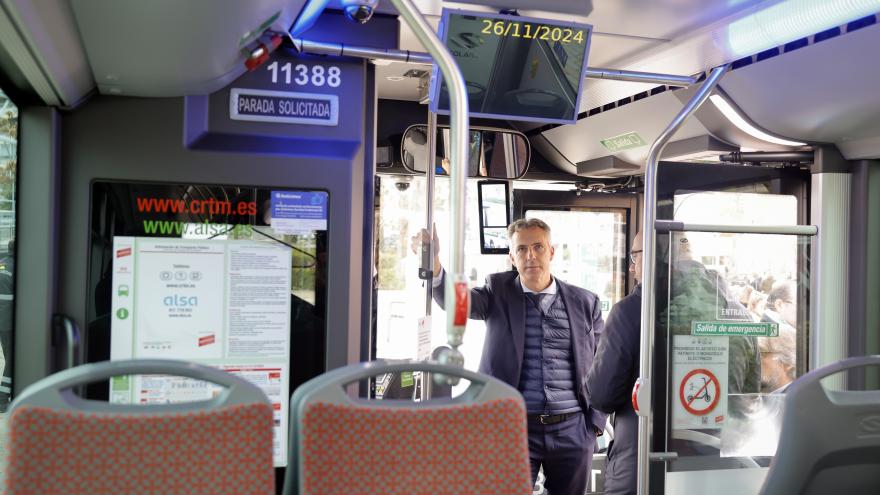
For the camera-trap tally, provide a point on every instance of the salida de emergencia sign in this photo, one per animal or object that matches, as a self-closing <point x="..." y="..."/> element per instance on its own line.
<point x="734" y="329"/>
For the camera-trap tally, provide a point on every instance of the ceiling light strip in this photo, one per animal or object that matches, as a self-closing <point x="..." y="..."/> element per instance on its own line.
<point x="790" y="20"/>
<point x="742" y="124"/>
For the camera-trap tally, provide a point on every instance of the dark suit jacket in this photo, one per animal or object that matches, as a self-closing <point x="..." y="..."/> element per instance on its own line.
<point x="611" y="382"/>
<point x="501" y="303"/>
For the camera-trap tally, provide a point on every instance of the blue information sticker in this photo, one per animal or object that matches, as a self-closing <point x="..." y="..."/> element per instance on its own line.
<point x="259" y="105"/>
<point x="296" y="212"/>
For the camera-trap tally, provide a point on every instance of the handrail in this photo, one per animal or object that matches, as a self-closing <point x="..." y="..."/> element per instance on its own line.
<point x="343" y="50"/>
<point x="673" y="226"/>
<point x="66" y="338"/>
<point x="649" y="241"/>
<point x="457" y="293"/>
<point x="428" y="247"/>
<point x="430" y="173"/>
<point x="54" y="391"/>
<point x="373" y="53"/>
<point x="642" y="77"/>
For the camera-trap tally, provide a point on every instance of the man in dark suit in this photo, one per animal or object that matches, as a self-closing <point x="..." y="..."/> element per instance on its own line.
<point x="613" y="376"/>
<point x="541" y="336"/>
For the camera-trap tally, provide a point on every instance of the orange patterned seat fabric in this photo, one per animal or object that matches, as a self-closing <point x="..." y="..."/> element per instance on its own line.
<point x="457" y="449"/>
<point x="224" y="451"/>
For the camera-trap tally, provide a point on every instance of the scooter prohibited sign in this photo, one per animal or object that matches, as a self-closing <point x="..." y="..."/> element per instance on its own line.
<point x="699" y="381"/>
<point x="699" y="392"/>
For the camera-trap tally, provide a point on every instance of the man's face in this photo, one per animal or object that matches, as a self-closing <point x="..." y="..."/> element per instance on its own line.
<point x="635" y="262"/>
<point x="531" y="253"/>
<point x="788" y="311"/>
<point x="774" y="374"/>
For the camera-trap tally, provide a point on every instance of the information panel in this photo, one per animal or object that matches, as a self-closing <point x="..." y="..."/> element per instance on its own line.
<point x="298" y="211"/>
<point x="223" y="303"/>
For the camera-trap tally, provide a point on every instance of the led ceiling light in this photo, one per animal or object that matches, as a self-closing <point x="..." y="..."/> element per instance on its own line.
<point x="742" y="124"/>
<point x="793" y="19"/>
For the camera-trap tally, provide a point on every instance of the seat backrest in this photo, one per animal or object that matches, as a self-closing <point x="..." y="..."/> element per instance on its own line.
<point x="474" y="443"/>
<point x="61" y="443"/>
<point x="830" y="440"/>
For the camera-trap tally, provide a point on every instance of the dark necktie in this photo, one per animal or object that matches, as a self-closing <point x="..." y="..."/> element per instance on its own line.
<point x="536" y="298"/>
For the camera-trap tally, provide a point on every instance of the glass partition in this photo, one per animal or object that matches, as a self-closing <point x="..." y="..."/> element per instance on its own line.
<point x="732" y="323"/>
<point x="735" y="309"/>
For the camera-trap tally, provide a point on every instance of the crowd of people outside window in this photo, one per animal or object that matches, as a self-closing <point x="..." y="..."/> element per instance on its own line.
<point x="773" y="301"/>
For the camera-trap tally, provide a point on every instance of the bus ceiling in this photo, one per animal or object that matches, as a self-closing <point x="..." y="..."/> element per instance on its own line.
<point x="63" y="51"/>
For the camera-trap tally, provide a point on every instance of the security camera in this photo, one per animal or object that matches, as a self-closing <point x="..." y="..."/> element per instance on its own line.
<point x="401" y="186"/>
<point x="359" y="11"/>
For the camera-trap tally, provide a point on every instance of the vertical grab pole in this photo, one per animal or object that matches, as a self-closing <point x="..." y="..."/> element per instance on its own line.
<point x="457" y="292"/>
<point x="430" y="172"/>
<point x="649" y="241"/>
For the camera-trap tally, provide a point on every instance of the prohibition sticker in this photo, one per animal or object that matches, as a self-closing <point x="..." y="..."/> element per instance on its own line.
<point x="699" y="392"/>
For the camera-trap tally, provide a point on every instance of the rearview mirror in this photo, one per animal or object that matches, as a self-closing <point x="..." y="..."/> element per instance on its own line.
<point x="493" y="153"/>
<point x="494" y="201"/>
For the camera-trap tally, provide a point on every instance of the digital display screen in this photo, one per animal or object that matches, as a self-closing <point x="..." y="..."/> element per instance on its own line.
<point x="515" y="68"/>
<point x="494" y="199"/>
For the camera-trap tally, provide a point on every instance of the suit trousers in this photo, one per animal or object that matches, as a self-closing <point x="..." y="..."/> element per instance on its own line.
<point x="565" y="450"/>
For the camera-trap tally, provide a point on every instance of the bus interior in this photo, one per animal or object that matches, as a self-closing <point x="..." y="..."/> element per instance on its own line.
<point x="237" y="184"/>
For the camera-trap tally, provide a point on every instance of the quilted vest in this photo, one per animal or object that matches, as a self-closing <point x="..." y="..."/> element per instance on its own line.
<point x="547" y="374"/>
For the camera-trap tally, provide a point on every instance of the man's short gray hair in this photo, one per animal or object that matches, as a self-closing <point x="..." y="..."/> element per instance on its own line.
<point x="782" y="348"/>
<point x="784" y="290"/>
<point x="527" y="223"/>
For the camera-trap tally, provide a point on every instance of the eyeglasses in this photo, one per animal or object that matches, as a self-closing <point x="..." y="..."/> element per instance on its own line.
<point x="537" y="248"/>
<point x="632" y="256"/>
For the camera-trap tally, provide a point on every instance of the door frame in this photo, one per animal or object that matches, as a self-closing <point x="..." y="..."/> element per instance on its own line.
<point x="528" y="199"/>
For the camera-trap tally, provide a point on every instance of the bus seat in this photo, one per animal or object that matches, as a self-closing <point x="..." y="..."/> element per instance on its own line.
<point x="61" y="443"/>
<point x="830" y="439"/>
<point x="474" y="443"/>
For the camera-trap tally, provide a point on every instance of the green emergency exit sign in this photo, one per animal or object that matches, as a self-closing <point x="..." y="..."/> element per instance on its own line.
<point x="623" y="142"/>
<point x="406" y="379"/>
<point x="738" y="329"/>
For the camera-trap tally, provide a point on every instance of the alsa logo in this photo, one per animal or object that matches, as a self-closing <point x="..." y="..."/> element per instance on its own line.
<point x="464" y="53"/>
<point x="870" y="425"/>
<point x="180" y="301"/>
<point x="121" y="253"/>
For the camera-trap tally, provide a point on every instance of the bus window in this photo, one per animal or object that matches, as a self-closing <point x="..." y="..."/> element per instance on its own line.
<point x="8" y="156"/>
<point x="597" y="263"/>
<point x="736" y="312"/>
<point x="401" y="297"/>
